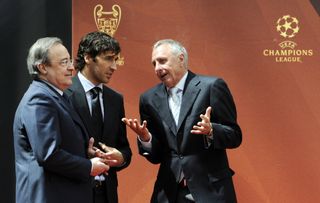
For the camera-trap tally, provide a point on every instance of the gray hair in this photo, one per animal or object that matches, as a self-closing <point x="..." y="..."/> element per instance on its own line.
<point x="177" y="48"/>
<point x="38" y="53"/>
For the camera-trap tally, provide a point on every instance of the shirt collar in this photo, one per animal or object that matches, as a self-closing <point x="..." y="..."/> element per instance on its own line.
<point x="55" y="88"/>
<point x="87" y="84"/>
<point x="182" y="82"/>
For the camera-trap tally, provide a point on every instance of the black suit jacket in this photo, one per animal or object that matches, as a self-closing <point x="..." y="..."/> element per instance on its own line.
<point x="176" y="149"/>
<point x="50" y="145"/>
<point x="114" y="131"/>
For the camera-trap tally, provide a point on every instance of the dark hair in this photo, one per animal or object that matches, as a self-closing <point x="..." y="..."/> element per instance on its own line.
<point x="93" y="44"/>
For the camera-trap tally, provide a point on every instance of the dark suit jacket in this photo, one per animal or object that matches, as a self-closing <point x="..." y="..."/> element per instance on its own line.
<point x="114" y="131"/>
<point x="176" y="149"/>
<point x="50" y="145"/>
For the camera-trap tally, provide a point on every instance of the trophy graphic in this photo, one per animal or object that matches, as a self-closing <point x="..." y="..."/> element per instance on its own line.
<point x="108" y="22"/>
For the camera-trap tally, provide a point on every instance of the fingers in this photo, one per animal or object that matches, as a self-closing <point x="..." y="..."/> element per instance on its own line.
<point x="98" y="166"/>
<point x="105" y="147"/>
<point x="110" y="162"/>
<point x="134" y="124"/>
<point x="204" y="126"/>
<point x="197" y="130"/>
<point x="208" y="111"/>
<point x="91" y="142"/>
<point x="144" y="124"/>
<point x="206" y="117"/>
<point x="91" y="149"/>
<point x="98" y="153"/>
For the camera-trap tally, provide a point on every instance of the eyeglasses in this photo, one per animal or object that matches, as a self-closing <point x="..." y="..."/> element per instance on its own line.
<point x="66" y="63"/>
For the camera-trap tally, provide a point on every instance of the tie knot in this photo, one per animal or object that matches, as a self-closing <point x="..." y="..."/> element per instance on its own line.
<point x="95" y="91"/>
<point x="175" y="95"/>
<point x="174" y="91"/>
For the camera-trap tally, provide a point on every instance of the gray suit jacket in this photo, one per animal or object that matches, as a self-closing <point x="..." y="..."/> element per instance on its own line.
<point x="50" y="145"/>
<point x="114" y="130"/>
<point x="176" y="149"/>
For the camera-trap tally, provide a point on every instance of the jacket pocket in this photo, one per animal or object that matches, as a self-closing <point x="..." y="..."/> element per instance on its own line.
<point x="219" y="175"/>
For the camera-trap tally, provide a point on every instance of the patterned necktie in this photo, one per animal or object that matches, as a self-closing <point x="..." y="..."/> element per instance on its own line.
<point x="175" y="103"/>
<point x="96" y="114"/>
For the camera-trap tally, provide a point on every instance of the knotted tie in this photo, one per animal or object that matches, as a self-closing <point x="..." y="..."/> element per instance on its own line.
<point x="175" y="103"/>
<point x="96" y="114"/>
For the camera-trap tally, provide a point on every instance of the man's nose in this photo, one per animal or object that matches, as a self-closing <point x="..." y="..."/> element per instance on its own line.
<point x="157" y="67"/>
<point x="71" y="67"/>
<point x="114" y="65"/>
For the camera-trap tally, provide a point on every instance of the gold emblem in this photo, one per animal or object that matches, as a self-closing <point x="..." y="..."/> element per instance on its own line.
<point x="288" y="27"/>
<point x="108" y="22"/>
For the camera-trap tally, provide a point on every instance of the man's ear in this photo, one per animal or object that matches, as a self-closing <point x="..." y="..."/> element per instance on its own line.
<point x="87" y="58"/>
<point x="181" y="58"/>
<point x="42" y="68"/>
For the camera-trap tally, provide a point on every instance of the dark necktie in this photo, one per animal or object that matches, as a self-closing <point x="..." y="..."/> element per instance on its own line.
<point x="96" y="115"/>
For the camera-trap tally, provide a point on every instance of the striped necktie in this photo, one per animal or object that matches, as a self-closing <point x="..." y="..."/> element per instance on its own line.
<point x="175" y="103"/>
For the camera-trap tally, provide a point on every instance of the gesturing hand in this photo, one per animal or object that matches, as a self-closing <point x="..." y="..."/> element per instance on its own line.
<point x="204" y="126"/>
<point x="93" y="151"/>
<point x="141" y="130"/>
<point x="111" y="154"/>
<point x="99" y="166"/>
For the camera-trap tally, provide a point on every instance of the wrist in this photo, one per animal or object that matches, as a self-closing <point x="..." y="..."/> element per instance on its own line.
<point x="145" y="138"/>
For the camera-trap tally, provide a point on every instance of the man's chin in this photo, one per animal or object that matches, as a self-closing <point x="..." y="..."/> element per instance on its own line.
<point x="168" y="84"/>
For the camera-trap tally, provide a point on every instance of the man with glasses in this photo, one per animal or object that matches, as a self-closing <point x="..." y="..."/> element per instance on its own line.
<point x="50" y="142"/>
<point x="101" y="108"/>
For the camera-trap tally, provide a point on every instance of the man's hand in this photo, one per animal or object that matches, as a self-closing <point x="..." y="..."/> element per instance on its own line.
<point x="93" y="151"/>
<point x="204" y="127"/>
<point x="111" y="154"/>
<point x="141" y="130"/>
<point x="98" y="166"/>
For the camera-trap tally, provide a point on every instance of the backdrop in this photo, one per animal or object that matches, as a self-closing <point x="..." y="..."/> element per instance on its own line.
<point x="266" y="50"/>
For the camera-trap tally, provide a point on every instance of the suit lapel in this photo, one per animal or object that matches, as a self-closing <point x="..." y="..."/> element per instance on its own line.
<point x="161" y="103"/>
<point x="108" y="121"/>
<point x="80" y="103"/>
<point x="191" y="91"/>
<point x="65" y="104"/>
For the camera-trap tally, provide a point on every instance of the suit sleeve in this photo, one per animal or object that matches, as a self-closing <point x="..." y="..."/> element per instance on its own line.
<point x="226" y="131"/>
<point x="122" y="141"/>
<point x="154" y="155"/>
<point x="44" y="133"/>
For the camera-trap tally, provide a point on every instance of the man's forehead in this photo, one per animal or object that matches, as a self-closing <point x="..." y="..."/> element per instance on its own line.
<point x="108" y="53"/>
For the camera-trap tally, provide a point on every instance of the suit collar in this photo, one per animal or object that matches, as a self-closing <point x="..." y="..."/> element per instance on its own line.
<point x="63" y="101"/>
<point x="87" y="85"/>
<point x="81" y="106"/>
<point x="161" y="103"/>
<point x="80" y="102"/>
<point x="190" y="93"/>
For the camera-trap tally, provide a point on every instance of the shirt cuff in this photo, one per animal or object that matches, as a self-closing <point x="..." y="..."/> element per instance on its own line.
<point x="146" y="145"/>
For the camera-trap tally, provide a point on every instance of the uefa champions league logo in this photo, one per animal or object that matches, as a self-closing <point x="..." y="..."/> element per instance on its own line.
<point x="288" y="26"/>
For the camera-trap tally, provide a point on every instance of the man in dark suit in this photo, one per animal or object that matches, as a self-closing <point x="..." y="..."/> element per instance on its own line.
<point x="50" y="141"/>
<point x="96" y="62"/>
<point x="188" y="122"/>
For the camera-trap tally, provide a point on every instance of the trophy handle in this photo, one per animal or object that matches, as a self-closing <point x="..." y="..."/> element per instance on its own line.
<point x="115" y="13"/>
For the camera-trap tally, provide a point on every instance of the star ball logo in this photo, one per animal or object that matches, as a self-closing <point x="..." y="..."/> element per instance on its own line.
<point x="288" y="27"/>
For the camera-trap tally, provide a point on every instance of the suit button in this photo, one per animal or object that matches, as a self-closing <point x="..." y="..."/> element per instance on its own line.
<point x="181" y="157"/>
